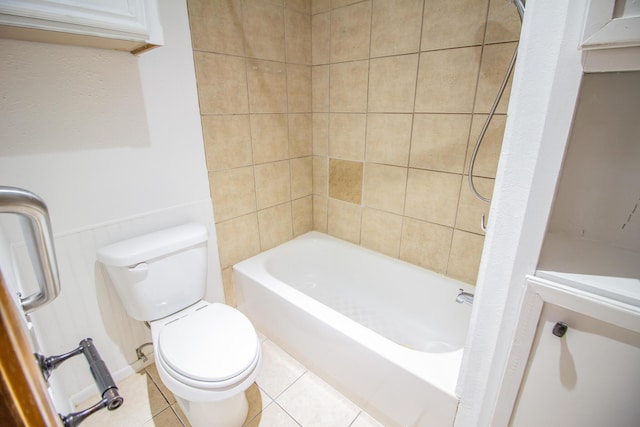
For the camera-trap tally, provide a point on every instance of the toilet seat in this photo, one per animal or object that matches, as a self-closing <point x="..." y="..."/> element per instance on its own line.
<point x="213" y="347"/>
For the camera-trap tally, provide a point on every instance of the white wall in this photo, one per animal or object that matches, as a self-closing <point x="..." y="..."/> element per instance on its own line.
<point x="112" y="142"/>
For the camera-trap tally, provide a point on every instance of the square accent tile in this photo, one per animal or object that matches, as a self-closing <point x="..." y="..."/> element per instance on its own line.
<point x="345" y="180"/>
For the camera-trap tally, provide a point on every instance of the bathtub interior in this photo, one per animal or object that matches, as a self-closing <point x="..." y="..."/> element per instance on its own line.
<point x="410" y="306"/>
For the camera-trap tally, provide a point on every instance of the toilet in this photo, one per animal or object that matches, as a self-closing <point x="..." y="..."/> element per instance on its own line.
<point x="206" y="353"/>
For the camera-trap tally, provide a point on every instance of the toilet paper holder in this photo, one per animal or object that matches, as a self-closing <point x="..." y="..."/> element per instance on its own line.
<point x="111" y="398"/>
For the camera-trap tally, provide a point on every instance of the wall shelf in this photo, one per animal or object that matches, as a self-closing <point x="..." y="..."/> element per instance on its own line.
<point x="129" y="25"/>
<point x="611" y="36"/>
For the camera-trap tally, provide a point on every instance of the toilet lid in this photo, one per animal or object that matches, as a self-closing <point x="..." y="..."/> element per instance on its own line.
<point x="214" y="343"/>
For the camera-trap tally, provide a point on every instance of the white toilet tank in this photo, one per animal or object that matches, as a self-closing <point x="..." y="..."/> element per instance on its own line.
<point x="160" y="273"/>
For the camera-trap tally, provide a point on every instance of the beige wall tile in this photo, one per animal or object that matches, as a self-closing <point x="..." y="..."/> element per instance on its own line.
<point x="466" y="252"/>
<point x="320" y="209"/>
<point x="301" y="177"/>
<point x="448" y="24"/>
<point x="276" y="225"/>
<point x="263" y="30"/>
<point x="267" y="86"/>
<point x="340" y="3"/>
<point x="302" y="212"/>
<point x="229" y="288"/>
<point x="238" y="239"/>
<point x="447" y="80"/>
<point x="440" y="142"/>
<point x="503" y="24"/>
<point x="425" y="244"/>
<point x="345" y="180"/>
<point x="388" y="138"/>
<point x="318" y="6"/>
<point x="432" y="196"/>
<point x="489" y="151"/>
<point x="495" y="62"/>
<point x="395" y="27"/>
<point x="343" y="221"/>
<point x="227" y="141"/>
<point x="470" y="208"/>
<point x="350" y="29"/>
<point x="216" y="26"/>
<point x="320" y="88"/>
<point x="270" y="139"/>
<point x="222" y="84"/>
<point x="297" y="27"/>
<point x="348" y="87"/>
<point x="300" y="135"/>
<point x="233" y="192"/>
<point x="381" y="231"/>
<point x="320" y="134"/>
<point x="320" y="176"/>
<point x="273" y="185"/>
<point x="384" y="187"/>
<point x="392" y="84"/>
<point x="320" y="38"/>
<point x="303" y="6"/>
<point x="346" y="136"/>
<point x="299" y="88"/>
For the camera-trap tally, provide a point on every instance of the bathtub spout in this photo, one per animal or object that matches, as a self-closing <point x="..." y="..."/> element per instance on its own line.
<point x="464" y="297"/>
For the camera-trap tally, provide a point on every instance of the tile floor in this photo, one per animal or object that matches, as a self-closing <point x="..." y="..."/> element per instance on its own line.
<point x="285" y="394"/>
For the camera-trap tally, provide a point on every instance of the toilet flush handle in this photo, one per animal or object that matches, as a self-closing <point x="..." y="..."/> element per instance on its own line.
<point x="142" y="267"/>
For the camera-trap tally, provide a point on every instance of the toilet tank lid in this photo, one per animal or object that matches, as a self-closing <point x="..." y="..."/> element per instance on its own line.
<point x="149" y="246"/>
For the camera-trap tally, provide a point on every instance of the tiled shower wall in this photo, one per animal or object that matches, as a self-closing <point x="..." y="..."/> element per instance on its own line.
<point x="354" y="118"/>
<point x="400" y="91"/>
<point x="253" y="71"/>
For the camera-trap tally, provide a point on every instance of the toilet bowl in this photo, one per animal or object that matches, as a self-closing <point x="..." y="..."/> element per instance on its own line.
<point x="207" y="354"/>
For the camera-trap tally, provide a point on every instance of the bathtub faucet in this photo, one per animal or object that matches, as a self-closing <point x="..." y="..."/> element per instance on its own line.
<point x="464" y="297"/>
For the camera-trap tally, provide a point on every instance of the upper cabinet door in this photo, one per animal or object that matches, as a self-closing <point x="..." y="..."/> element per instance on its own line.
<point x="611" y="36"/>
<point x="130" y="25"/>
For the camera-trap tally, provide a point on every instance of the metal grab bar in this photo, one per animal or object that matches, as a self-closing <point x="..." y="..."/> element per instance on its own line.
<point x="39" y="239"/>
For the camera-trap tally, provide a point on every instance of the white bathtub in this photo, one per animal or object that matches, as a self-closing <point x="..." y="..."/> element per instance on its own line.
<point x="385" y="333"/>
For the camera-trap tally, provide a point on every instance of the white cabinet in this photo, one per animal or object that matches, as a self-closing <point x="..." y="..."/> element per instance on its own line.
<point x="587" y="372"/>
<point x="130" y="25"/>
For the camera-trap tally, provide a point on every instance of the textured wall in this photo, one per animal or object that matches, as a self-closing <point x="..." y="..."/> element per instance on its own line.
<point x="112" y="142"/>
